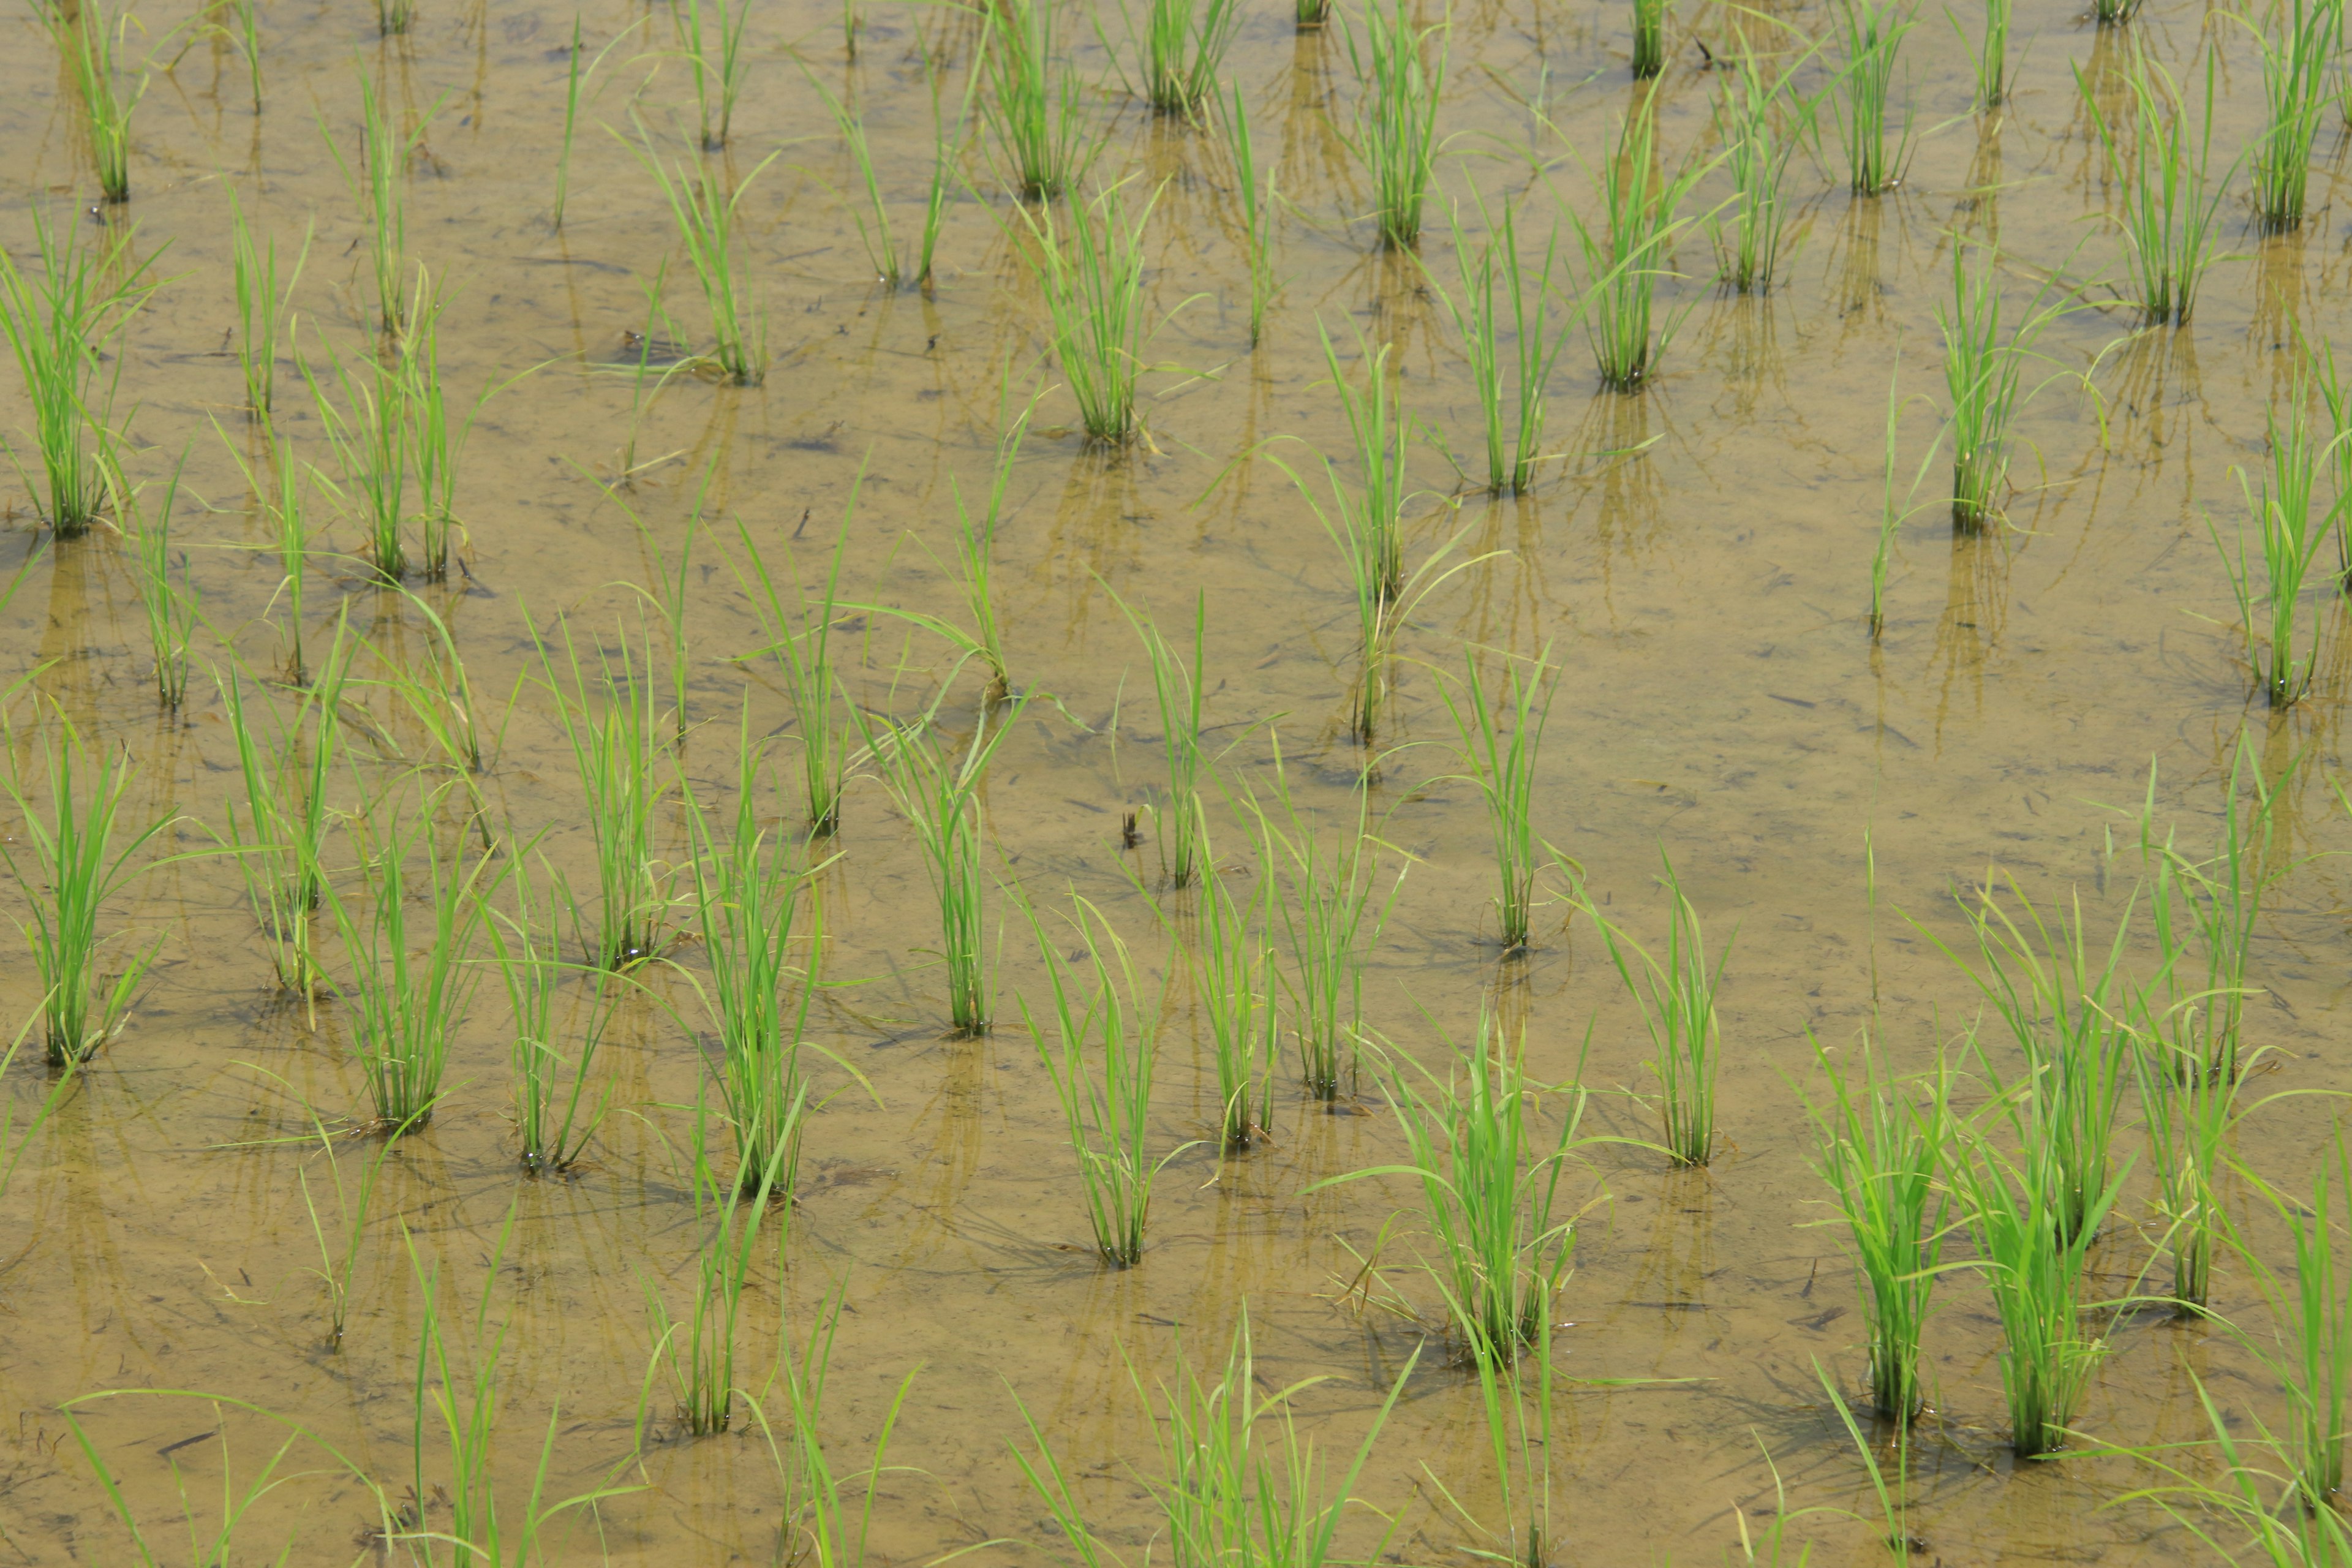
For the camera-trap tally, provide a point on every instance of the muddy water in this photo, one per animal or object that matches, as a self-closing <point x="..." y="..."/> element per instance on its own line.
<point x="1696" y="561"/>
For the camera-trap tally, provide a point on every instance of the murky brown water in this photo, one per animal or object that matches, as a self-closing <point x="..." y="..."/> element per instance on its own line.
<point x="1704" y="601"/>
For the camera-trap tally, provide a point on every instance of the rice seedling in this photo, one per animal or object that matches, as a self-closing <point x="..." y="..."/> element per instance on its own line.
<point x="1396" y="118"/>
<point x="1991" y="60"/>
<point x="975" y="546"/>
<point x="2295" y="67"/>
<point x="211" y="1541"/>
<point x="169" y="607"/>
<point x="1502" y="302"/>
<point x="437" y="435"/>
<point x="339" y="1249"/>
<point x="1893" y="511"/>
<point x="1878" y="1144"/>
<point x="1253" y="190"/>
<point x="1090" y="269"/>
<point x="1649" y="38"/>
<point x="1872" y="32"/>
<point x="708" y="224"/>
<point x="2220" y="898"/>
<point x="93" y="45"/>
<point x="947" y="154"/>
<point x="2292" y="523"/>
<point x="395" y="17"/>
<point x="1628" y="252"/>
<point x="1184" y="45"/>
<point x="407" y="990"/>
<point x="2261" y="1499"/>
<point x="279" y="841"/>
<point x="1501" y="738"/>
<point x="938" y="793"/>
<point x="365" y="414"/>
<point x="72" y="853"/>
<point x="2171" y="201"/>
<point x="248" y="40"/>
<point x="718" y="82"/>
<point x="698" y="1350"/>
<point x="611" y="725"/>
<point x="1371" y="518"/>
<point x="1236" y="1482"/>
<point x="1893" y="1501"/>
<point x="261" y="299"/>
<point x="1105" y="1103"/>
<point x="1984" y="374"/>
<point x="2311" y="1309"/>
<point x="1751" y="232"/>
<point x="2032" y="1226"/>
<point x="571" y="122"/>
<point x="1040" y="132"/>
<point x="554" y="1122"/>
<point x="378" y="181"/>
<point x="823" y="1525"/>
<point x="1310" y="15"/>
<point x="1230" y="948"/>
<point x="874" y="222"/>
<point x="1676" y="997"/>
<point x="61" y="324"/>
<point x="803" y="658"/>
<point x="1177" y="686"/>
<point x="2114" y="13"/>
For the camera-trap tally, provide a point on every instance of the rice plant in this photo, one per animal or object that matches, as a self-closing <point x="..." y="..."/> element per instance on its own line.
<point x="1402" y="76"/>
<point x="1229" y="947"/>
<point x="1750" y="233"/>
<point x="1499" y="317"/>
<point x="71" y="855"/>
<point x="1872" y="32"/>
<point x="63" y="324"/>
<point x="799" y="641"/>
<point x="1090" y="269"/>
<point x="1628" y="251"/>
<point x="1041" y="135"/>
<point x="339" y="1247"/>
<point x="874" y="221"/>
<point x="717" y="82"/>
<point x="1309" y="16"/>
<point x="1676" y="998"/>
<point x="1100" y="1044"/>
<point x="279" y="836"/>
<point x="1490" y="1195"/>
<point x="365" y="413"/>
<point x="93" y="45"/>
<point x="1992" y="61"/>
<point x="1178" y="687"/>
<point x="2218" y="899"/>
<point x="395" y="17"/>
<point x="937" y="790"/>
<point x="2291" y="522"/>
<point x="2114" y="13"/>
<point x="611" y="724"/>
<point x="407" y="989"/>
<point x="436" y="432"/>
<point x="975" y="554"/>
<point x="2311" y="1309"/>
<point x="1502" y="736"/>
<point x="168" y="607"/>
<point x="1649" y="38"/>
<point x="248" y="42"/>
<point x="261" y="301"/>
<point x="554" y="1118"/>
<point x="1984" y="374"/>
<point x="828" y="1524"/>
<point x="1878" y="1144"/>
<point x="1184" y="45"/>
<point x="1254" y="191"/>
<point x="377" y="178"/>
<point x="1371" y="516"/>
<point x="1893" y="510"/>
<point x="2171" y="201"/>
<point x="708" y="218"/>
<point x="2296" y="74"/>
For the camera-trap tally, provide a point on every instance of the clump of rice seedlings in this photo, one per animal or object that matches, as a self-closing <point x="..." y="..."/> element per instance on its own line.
<point x="2313" y="1313"/>
<point x="826" y="1524"/>
<point x="1991" y="61"/>
<point x="1371" y="518"/>
<point x="1396" y="118"/>
<point x="1751" y="232"/>
<point x="1254" y="191"/>
<point x="1878" y="1144"/>
<point x="975" y="542"/>
<point x="279" y="839"/>
<point x="804" y="657"/>
<point x="1380" y="617"/>
<point x="168" y="607"/>
<point x="1183" y="850"/>
<point x="2171" y="201"/>
<point x="1101" y="1043"/>
<point x="395" y="17"/>
<point x="553" y="1118"/>
<point x="1872" y="32"/>
<point x="61" y="324"/>
<point x="1185" y="45"/>
<point x="1310" y="15"/>
<point x="1676" y="996"/>
<point x="937" y="790"/>
<point x="2292" y="523"/>
<point x="74" y="854"/>
<point x="1040" y="133"/>
<point x="874" y="222"/>
<point x="1090" y="269"/>
<point x="379" y="183"/>
<point x="709" y="225"/>
<point x="1984" y="374"/>
<point x="1627" y="252"/>
<point x="407" y="989"/>
<point x="437" y="434"/>
<point x="1649" y="38"/>
<point x="339" y="1247"/>
<point x="2033" y="1227"/>
<point x="1235" y="1481"/>
<point x="2296" y="69"/>
<point x="1501" y="737"/>
<point x="93" y="45"/>
<point x="261" y="299"/>
<point x="698" y="1349"/>
<point x="248" y="42"/>
<point x="1230" y="946"/>
<point x="2114" y="13"/>
<point x="2220" y="898"/>
<point x="1502" y="304"/>
<point x="611" y="724"/>
<point x="717" y="82"/>
<point x="1893" y="1501"/>
<point x="365" y="413"/>
<point x="746" y="892"/>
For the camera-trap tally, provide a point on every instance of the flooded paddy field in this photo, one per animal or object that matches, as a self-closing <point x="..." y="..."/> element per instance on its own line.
<point x="493" y="1126"/>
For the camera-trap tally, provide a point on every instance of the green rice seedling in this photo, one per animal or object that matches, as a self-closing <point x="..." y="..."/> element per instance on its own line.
<point x="827" y="1526"/>
<point x="365" y="413"/>
<point x="698" y="1350"/>
<point x="1893" y="511"/>
<point x="1872" y="32"/>
<point x="1499" y="317"/>
<point x="1090" y="269"/>
<point x="93" y="45"/>
<point x="1649" y="38"/>
<point x="211" y="1541"/>
<point x="1230" y="948"/>
<point x="436" y="432"/>
<point x="709" y="225"/>
<point x="2313" y="1313"/>
<point x="611" y="724"/>
<point x="804" y="657"/>
<point x="1893" y="1501"/>
<point x="395" y="17"/>
<point x="1878" y="1144"/>
<point x="1984" y="374"/>
<point x="874" y="222"/>
<point x="717" y="82"/>
<point x="2295" y="73"/>
<point x="2292" y="523"/>
<point x="1041" y="135"/>
<point x="554" y="1120"/>
<point x="1310" y="15"/>
<point x="2257" y="1495"/>
<point x="2033" y="1227"/>
<point x="1236" y="1482"/>
<point x="2190" y="1115"/>
<point x="276" y="481"/>
<point x="975" y="545"/>
<point x="1750" y="233"/>
<point x="279" y="838"/>
<point x="1396" y="117"/>
<point x="1501" y="737"/>
<point x="1253" y="190"/>
<point x="169" y="607"/>
<point x="1105" y="1101"/>
<point x="2171" y="200"/>
<point x="248" y="40"/>
<point x="1490" y="1193"/>
<point x="938" y="793"/>
<point x="1676" y="996"/>
<point x="61" y="324"/>
<point x="1379" y="618"/>
<point x="746" y="892"/>
<point x="261" y="301"/>
<point x="1371" y="519"/>
<point x="571" y="122"/>
<point x="1184" y="45"/>
<point x="378" y="179"/>
<point x="2114" y="13"/>
<point x="2219" y="897"/>
<point x="947" y="154"/>
<point x="1177" y="685"/>
<point x="1991" y="60"/>
<point x="1628" y="252"/>
<point x="73" y="854"/>
<point x="339" y="1247"/>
